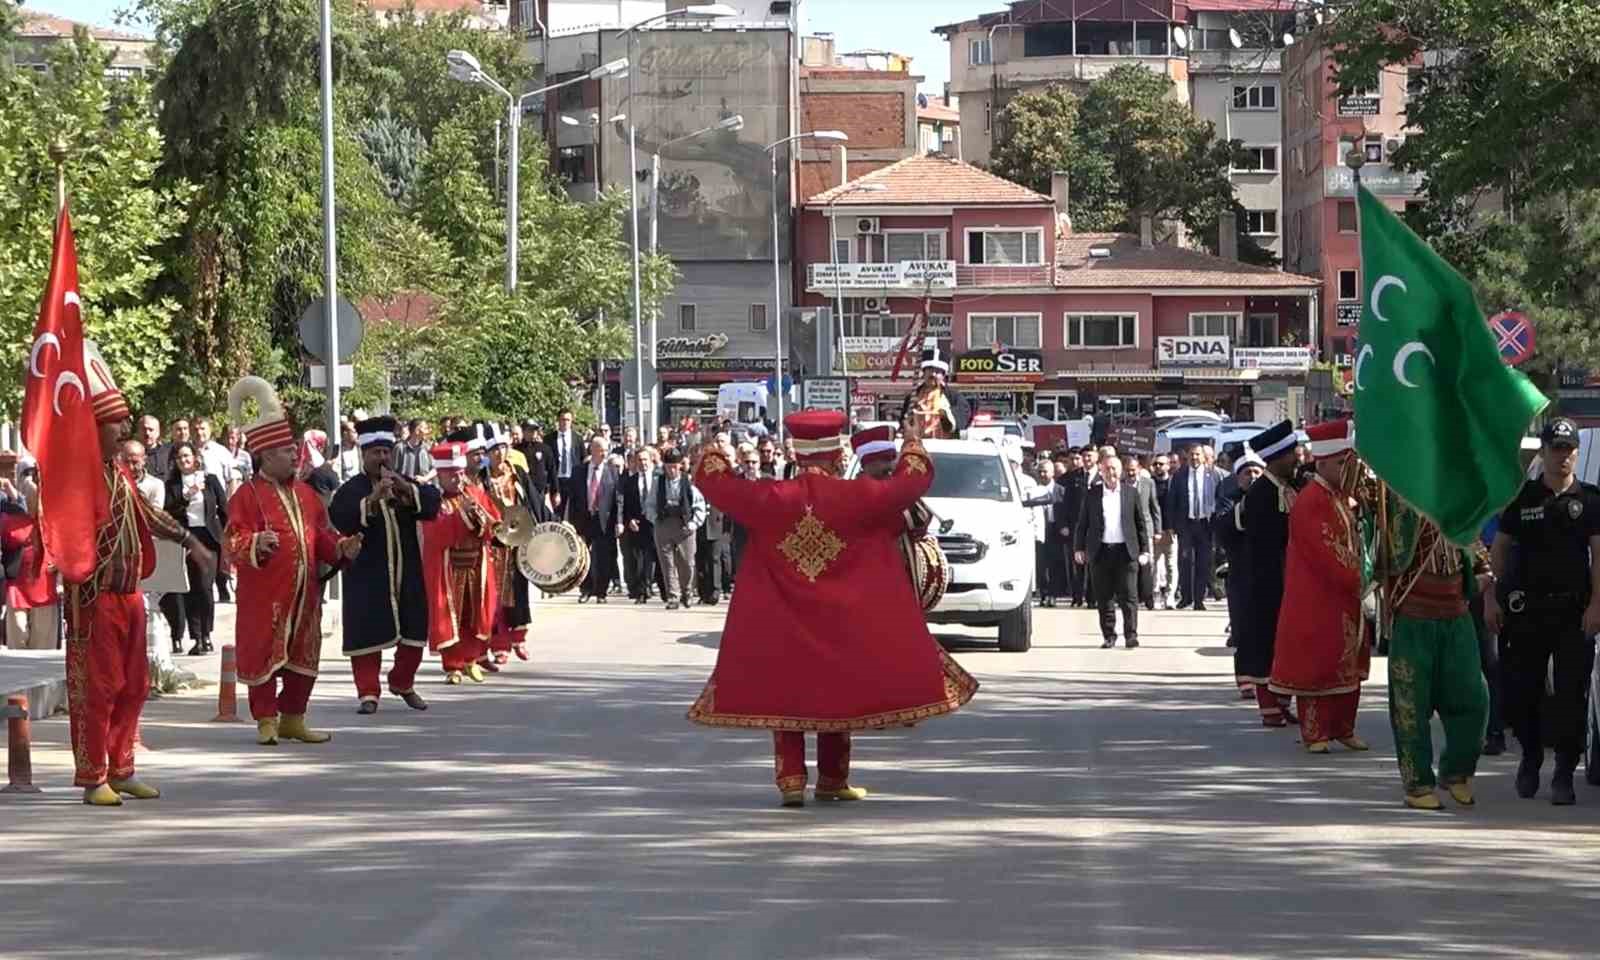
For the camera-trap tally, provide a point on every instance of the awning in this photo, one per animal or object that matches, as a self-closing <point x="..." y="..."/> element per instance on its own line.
<point x="1221" y="375"/>
<point x="1111" y="374"/>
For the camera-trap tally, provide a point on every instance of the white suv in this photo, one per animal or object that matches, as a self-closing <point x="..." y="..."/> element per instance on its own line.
<point x="987" y="536"/>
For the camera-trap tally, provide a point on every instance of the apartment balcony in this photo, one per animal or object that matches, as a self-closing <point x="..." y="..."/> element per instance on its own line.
<point x="916" y="277"/>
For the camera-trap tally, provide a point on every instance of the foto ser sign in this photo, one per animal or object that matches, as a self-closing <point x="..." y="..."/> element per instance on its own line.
<point x="1193" y="351"/>
<point x="1005" y="366"/>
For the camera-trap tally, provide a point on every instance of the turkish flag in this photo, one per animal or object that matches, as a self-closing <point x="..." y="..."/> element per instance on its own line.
<point x="58" y="425"/>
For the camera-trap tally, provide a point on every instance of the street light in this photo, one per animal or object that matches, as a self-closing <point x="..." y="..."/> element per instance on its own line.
<point x="709" y="11"/>
<point x="465" y="67"/>
<point x="833" y="258"/>
<point x="777" y="276"/>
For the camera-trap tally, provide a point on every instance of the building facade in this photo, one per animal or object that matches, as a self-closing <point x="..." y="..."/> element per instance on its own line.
<point x="39" y="34"/>
<point x="1034" y="318"/>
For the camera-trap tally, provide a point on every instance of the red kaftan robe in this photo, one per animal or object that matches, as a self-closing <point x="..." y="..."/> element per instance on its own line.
<point x="1321" y="647"/>
<point x="456" y="570"/>
<point x="279" y="626"/>
<point x="825" y="632"/>
<point x="35" y="586"/>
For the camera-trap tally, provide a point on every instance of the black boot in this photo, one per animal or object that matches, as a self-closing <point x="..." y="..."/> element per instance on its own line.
<point x="1561" y="792"/>
<point x="1494" y="744"/>
<point x="1528" y="773"/>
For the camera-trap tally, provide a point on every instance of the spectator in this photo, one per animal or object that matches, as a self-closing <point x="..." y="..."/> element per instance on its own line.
<point x="158" y="454"/>
<point x="412" y="459"/>
<point x="195" y="499"/>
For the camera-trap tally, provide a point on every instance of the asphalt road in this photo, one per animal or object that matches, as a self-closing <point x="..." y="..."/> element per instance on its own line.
<point x="1088" y="803"/>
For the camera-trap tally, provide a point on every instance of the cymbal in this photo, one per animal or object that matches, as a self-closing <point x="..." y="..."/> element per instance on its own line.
<point x="516" y="526"/>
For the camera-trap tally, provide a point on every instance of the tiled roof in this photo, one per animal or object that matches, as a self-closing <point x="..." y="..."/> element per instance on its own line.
<point x="939" y="113"/>
<point x="45" y="25"/>
<point x="936" y="180"/>
<point x="427" y="6"/>
<point x="1161" y="266"/>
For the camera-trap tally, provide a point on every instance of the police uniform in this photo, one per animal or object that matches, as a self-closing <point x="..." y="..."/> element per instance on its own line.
<point x="1543" y="598"/>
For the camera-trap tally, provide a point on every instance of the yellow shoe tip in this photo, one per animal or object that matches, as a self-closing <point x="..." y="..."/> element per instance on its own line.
<point x="794" y="798"/>
<point x="453" y="677"/>
<point x="1461" y="793"/>
<point x="475" y="673"/>
<point x="1424" y="801"/>
<point x="1353" y="742"/>
<point x="843" y="793"/>
<point x="136" y="789"/>
<point x="294" y="728"/>
<point x="101" y="796"/>
<point x="267" y="732"/>
<point x="1320" y="746"/>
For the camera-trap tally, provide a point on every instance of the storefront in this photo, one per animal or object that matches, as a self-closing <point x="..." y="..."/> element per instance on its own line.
<point x="999" y="382"/>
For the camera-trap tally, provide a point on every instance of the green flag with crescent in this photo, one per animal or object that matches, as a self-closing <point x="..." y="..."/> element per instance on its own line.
<point x="1439" y="417"/>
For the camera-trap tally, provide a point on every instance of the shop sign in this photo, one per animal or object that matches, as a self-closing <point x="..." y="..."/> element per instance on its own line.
<point x="1273" y="359"/>
<point x="823" y="393"/>
<point x="1379" y="178"/>
<point x="1192" y="351"/>
<point x="928" y="273"/>
<point x="717" y="364"/>
<point x="873" y="356"/>
<point x="882" y="276"/>
<point x="1140" y="441"/>
<point x="940" y="325"/>
<point x="1348" y="314"/>
<point x="1363" y="106"/>
<point x="1002" y="366"/>
<point x="691" y="346"/>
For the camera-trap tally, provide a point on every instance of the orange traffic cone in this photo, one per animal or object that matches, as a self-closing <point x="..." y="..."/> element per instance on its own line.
<point x="227" y="696"/>
<point x="19" y="740"/>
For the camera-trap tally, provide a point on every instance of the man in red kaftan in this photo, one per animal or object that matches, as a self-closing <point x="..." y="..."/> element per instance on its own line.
<point x="456" y="570"/>
<point x="278" y="536"/>
<point x="825" y="633"/>
<point x="1322" y="653"/>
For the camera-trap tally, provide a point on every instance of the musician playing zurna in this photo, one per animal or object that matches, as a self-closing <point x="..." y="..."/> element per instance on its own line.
<point x="457" y="570"/>
<point x="384" y="602"/>
<point x="509" y="487"/>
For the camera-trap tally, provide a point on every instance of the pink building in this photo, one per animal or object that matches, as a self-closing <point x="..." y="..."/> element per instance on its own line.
<point x="1033" y="317"/>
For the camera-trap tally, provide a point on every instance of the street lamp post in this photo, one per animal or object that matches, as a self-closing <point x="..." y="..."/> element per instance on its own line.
<point x="709" y="11"/>
<point x="833" y="258"/>
<point x="465" y="67"/>
<point x="777" y="274"/>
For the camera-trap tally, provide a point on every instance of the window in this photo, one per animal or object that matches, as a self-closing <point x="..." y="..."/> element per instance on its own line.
<point x="1262" y="330"/>
<point x="1102" y="331"/>
<point x="1005" y="247"/>
<point x="1258" y="160"/>
<point x="686" y="320"/>
<point x="1345" y="146"/>
<point x="1005" y="330"/>
<point x="913" y="245"/>
<point x="1347" y="216"/>
<point x="758" y="318"/>
<point x="1261" y="96"/>
<point x="842" y="249"/>
<point x="1374" y="149"/>
<point x="1349" y="285"/>
<point x="978" y="52"/>
<point x="1261" y="223"/>
<point x="864" y="317"/>
<point x="572" y="163"/>
<point x="1213" y="324"/>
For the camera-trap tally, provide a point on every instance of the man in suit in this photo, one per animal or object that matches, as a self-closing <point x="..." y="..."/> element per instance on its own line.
<point x="1145" y="486"/>
<point x="158" y="453"/>
<point x="638" y="534"/>
<point x="1075" y="485"/>
<point x="676" y="511"/>
<point x="1113" y="537"/>
<point x="593" y="498"/>
<point x="1164" y="565"/>
<point x="1192" y="501"/>
<point x="713" y="556"/>
<point x="565" y="468"/>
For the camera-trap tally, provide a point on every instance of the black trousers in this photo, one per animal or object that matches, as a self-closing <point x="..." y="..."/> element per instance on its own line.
<point x="639" y="560"/>
<point x="1533" y="639"/>
<point x="1077" y="574"/>
<point x="1194" y="561"/>
<point x="602" y="561"/>
<point x="1115" y="577"/>
<point x="196" y="610"/>
<point x="713" y="562"/>
<point x="1042" y="573"/>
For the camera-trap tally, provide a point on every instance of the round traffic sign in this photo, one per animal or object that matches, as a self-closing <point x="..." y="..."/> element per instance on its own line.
<point x="1514" y="337"/>
<point x="314" y="329"/>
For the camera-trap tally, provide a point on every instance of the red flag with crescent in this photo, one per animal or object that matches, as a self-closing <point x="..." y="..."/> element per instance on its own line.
<point x="58" y="425"/>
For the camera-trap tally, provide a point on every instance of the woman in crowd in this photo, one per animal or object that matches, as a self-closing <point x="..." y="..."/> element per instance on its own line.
<point x="196" y="500"/>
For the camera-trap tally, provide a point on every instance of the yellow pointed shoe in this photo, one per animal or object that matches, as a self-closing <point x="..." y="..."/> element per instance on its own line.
<point x="1461" y="792"/>
<point x="137" y="789"/>
<point x="1319" y="746"/>
<point x="453" y="677"/>
<point x="101" y="796"/>
<point x="267" y="731"/>
<point x="1424" y="801"/>
<point x="475" y="673"/>
<point x="794" y="798"/>
<point x="842" y="793"/>
<point x="1354" y="742"/>
<point x="294" y="727"/>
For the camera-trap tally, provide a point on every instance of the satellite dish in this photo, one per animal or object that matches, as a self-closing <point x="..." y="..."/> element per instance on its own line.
<point x="1234" y="39"/>
<point x="1180" y="38"/>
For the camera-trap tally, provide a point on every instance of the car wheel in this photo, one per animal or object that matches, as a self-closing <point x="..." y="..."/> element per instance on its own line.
<point x="1016" y="630"/>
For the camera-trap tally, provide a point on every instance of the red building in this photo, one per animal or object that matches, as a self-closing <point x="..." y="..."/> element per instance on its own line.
<point x="1034" y="317"/>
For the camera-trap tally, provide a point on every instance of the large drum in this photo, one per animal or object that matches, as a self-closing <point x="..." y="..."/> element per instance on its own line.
<point x="929" y="569"/>
<point x="555" y="559"/>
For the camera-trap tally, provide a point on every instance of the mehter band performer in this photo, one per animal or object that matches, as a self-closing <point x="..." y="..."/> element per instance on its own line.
<point x="824" y="633"/>
<point x="456" y="570"/>
<point x="1262" y="520"/>
<point x="278" y="536"/>
<point x="384" y="601"/>
<point x="508" y="486"/>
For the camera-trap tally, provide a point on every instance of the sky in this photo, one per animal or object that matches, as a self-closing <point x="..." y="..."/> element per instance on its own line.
<point x="904" y="26"/>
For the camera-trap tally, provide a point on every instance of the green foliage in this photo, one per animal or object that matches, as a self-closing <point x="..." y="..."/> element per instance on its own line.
<point x="396" y="150"/>
<point x="1130" y="150"/>
<point x="121" y="217"/>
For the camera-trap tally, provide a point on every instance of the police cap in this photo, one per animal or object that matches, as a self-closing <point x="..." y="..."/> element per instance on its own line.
<point x="1559" y="432"/>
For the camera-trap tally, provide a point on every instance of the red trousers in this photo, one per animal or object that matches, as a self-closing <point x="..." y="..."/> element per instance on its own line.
<point x="463" y="654"/>
<point x="402" y="676"/>
<point x="833" y="760"/>
<point x="504" y="637"/>
<point x="267" y="702"/>
<point x="1329" y="717"/>
<point x="108" y="678"/>
<point x="1271" y="706"/>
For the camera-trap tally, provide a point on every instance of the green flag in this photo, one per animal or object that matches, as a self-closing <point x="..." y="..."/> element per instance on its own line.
<point x="1439" y="417"/>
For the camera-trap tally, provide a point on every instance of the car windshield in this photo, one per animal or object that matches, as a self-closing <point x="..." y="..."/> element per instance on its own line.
<point x="969" y="476"/>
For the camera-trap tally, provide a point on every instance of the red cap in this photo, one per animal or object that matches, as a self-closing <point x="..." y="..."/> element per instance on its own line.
<point x="1331" y="438"/>
<point x="269" y="435"/>
<point x="449" y="456"/>
<point x="873" y="443"/>
<point x="818" y="434"/>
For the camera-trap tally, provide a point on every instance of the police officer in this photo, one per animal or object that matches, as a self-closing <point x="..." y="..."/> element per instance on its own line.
<point x="1548" y="606"/>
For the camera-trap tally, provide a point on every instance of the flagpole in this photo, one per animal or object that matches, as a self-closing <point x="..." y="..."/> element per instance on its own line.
<point x="58" y="154"/>
<point x="1355" y="159"/>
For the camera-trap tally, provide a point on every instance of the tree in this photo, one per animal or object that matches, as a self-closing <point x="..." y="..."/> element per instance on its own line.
<point x="122" y="218"/>
<point x="1130" y="150"/>
<point x="396" y="150"/>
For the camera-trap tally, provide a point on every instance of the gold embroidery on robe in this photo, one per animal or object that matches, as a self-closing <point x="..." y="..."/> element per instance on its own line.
<point x="811" y="546"/>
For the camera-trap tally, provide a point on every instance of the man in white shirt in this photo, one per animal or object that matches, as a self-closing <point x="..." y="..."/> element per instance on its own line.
<point x="218" y="461"/>
<point x="1193" y="496"/>
<point x="156" y="633"/>
<point x="566" y="459"/>
<point x="1113" y="537"/>
<point x="675" y="509"/>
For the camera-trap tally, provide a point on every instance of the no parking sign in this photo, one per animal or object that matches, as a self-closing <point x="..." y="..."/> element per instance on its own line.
<point x="1513" y="334"/>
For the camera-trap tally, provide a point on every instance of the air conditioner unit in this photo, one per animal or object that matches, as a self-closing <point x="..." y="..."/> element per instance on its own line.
<point x="874" y="305"/>
<point x="866" y="225"/>
<point x="1392" y="144"/>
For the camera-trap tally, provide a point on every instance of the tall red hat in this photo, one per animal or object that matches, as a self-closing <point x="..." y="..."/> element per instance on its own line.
<point x="1331" y="438"/>
<point x="108" y="403"/>
<point x="270" y="429"/>
<point x="873" y="443"/>
<point x="818" y="434"/>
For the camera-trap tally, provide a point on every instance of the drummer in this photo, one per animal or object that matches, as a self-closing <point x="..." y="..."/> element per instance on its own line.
<point x="511" y="491"/>
<point x="875" y="449"/>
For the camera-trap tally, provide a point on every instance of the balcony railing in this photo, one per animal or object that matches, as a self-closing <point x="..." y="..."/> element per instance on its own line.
<point x="995" y="275"/>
